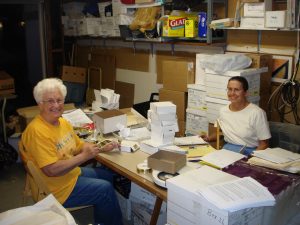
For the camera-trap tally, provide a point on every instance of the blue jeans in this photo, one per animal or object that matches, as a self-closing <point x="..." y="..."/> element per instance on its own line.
<point x="94" y="187"/>
<point x="236" y="148"/>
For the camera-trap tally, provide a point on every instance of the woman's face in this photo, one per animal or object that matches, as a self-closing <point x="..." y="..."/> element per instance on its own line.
<point x="235" y="92"/>
<point x="52" y="105"/>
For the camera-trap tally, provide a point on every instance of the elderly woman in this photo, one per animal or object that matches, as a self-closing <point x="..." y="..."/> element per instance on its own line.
<point x="244" y="124"/>
<point x="51" y="143"/>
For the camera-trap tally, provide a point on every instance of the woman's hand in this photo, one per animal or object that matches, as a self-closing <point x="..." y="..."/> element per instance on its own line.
<point x="205" y="137"/>
<point x="90" y="150"/>
<point x="110" y="146"/>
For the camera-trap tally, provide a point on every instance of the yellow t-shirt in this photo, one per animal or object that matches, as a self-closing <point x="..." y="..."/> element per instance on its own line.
<point x="45" y="144"/>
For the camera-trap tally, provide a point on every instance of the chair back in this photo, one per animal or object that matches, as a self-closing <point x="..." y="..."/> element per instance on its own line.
<point x="219" y="134"/>
<point x="34" y="179"/>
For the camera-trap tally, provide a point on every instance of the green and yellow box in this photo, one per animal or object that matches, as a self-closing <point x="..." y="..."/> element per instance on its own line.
<point x="191" y="27"/>
<point x="174" y="26"/>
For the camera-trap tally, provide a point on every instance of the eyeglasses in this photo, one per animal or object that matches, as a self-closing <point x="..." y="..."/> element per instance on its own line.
<point x="233" y="90"/>
<point x="53" y="101"/>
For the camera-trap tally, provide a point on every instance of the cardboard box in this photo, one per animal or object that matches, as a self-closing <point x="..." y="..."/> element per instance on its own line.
<point x="178" y="73"/>
<point x="259" y="61"/>
<point x="73" y="74"/>
<point x="187" y="206"/>
<point x="27" y="114"/>
<point x="174" y="26"/>
<point x="107" y="121"/>
<point x="275" y="19"/>
<point x="7" y="85"/>
<point x="178" y="98"/>
<point x="166" y="161"/>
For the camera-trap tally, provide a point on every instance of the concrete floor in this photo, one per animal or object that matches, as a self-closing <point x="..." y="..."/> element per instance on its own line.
<point x="12" y="182"/>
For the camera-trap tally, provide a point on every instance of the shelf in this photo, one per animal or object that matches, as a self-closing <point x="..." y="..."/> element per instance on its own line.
<point x="134" y="6"/>
<point x="259" y="29"/>
<point x="173" y="39"/>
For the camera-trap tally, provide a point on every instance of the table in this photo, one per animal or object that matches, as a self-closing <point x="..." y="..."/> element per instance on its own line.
<point x="4" y="98"/>
<point x="125" y="163"/>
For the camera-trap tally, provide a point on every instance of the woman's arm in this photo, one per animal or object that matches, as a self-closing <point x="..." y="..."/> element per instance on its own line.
<point x="61" y="167"/>
<point x="262" y="144"/>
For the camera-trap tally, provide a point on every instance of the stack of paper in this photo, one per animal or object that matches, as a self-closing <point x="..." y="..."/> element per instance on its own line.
<point x="238" y="194"/>
<point x="77" y="118"/>
<point x="291" y="167"/>
<point x="277" y="155"/>
<point x="195" y="152"/>
<point x="189" y="140"/>
<point x="222" y="158"/>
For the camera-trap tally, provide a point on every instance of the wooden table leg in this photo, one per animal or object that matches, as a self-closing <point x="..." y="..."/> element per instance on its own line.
<point x="156" y="211"/>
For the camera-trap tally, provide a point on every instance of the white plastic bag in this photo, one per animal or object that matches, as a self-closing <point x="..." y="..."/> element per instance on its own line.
<point x="47" y="212"/>
<point x="220" y="63"/>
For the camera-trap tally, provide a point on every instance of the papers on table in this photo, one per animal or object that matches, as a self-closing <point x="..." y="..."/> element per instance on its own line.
<point x="222" y="158"/>
<point x="138" y="134"/>
<point x="238" y="194"/>
<point x="77" y="118"/>
<point x="174" y="148"/>
<point x="197" y="151"/>
<point x="277" y="155"/>
<point x="291" y="167"/>
<point x="189" y="140"/>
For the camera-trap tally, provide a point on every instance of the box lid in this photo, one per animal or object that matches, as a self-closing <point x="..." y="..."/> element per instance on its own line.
<point x="167" y="161"/>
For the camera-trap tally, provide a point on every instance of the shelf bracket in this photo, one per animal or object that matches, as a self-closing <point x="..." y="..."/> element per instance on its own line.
<point x="152" y="49"/>
<point x="134" y="47"/>
<point x="258" y="40"/>
<point x="172" y="48"/>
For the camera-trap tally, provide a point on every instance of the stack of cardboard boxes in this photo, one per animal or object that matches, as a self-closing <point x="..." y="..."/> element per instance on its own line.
<point x="177" y="74"/>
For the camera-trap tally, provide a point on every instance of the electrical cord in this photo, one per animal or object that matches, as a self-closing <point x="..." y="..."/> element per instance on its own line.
<point x="286" y="96"/>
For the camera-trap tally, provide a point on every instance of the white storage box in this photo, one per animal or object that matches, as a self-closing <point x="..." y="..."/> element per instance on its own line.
<point x="275" y="19"/>
<point x="257" y="9"/>
<point x="185" y="205"/>
<point x="196" y="97"/>
<point x="196" y="122"/>
<point x="107" y="121"/>
<point x="163" y="107"/>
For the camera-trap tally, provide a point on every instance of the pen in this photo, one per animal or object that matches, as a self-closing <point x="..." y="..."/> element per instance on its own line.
<point x="242" y="149"/>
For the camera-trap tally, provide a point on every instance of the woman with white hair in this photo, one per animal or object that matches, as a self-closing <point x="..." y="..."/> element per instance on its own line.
<point x="50" y="141"/>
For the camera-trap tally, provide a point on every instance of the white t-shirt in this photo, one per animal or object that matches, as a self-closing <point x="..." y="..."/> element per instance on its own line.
<point x="245" y="127"/>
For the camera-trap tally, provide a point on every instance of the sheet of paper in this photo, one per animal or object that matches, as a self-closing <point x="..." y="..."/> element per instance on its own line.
<point x="238" y="194"/>
<point x="77" y="118"/>
<point x="277" y="155"/>
<point x="198" y="150"/>
<point x="139" y="134"/>
<point x="222" y="158"/>
<point x="189" y="140"/>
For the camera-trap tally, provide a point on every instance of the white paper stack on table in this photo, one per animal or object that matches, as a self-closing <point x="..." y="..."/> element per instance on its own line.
<point x="163" y="121"/>
<point x="189" y="199"/>
<point x="221" y="158"/>
<point x="277" y="158"/>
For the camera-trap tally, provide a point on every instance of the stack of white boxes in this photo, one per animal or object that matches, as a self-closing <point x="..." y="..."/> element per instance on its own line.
<point x="216" y="94"/>
<point x="254" y="14"/>
<point x="163" y="121"/>
<point x="186" y="206"/>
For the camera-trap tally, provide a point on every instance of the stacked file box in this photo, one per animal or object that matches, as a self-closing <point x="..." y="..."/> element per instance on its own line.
<point x="196" y="120"/>
<point x="216" y="93"/>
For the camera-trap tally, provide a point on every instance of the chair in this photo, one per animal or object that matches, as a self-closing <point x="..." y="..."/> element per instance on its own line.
<point x="35" y="186"/>
<point x="219" y="136"/>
